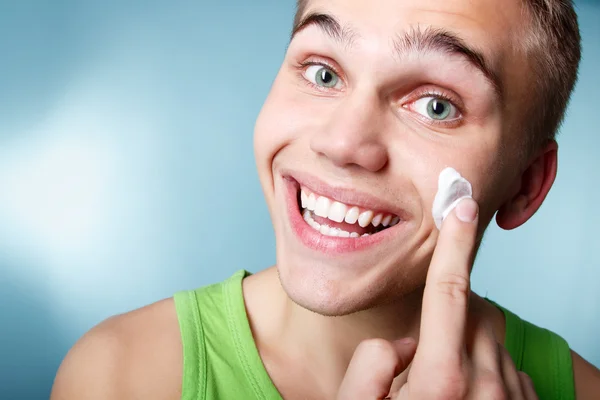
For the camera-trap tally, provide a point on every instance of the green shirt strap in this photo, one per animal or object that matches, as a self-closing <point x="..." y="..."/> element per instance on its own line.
<point x="220" y="358"/>
<point x="194" y="351"/>
<point x="542" y="354"/>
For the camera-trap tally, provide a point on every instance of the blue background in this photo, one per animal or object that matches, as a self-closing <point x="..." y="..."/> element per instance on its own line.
<point x="127" y="173"/>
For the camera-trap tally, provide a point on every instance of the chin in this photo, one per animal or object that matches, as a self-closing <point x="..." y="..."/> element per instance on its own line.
<point x="322" y="294"/>
<point x="322" y="289"/>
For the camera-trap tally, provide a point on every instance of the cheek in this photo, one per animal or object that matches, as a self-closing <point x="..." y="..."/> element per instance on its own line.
<point x="281" y="121"/>
<point x="278" y="122"/>
<point x="411" y="156"/>
<point x="288" y="115"/>
<point x="270" y="131"/>
<point x="423" y="161"/>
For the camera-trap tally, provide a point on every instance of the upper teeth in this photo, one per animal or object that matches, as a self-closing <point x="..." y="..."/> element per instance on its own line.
<point x="338" y="212"/>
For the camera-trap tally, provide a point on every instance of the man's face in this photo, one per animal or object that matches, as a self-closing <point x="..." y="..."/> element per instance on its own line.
<point x="371" y="103"/>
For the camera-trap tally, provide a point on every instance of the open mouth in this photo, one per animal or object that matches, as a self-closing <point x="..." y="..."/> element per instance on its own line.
<point x="333" y="218"/>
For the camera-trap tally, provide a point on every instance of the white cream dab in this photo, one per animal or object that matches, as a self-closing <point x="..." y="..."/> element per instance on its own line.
<point x="452" y="188"/>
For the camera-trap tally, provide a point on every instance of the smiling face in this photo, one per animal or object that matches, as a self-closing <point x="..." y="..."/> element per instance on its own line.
<point x="373" y="100"/>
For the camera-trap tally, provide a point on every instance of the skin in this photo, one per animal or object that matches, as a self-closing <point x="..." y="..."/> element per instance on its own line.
<point x="464" y="367"/>
<point x="364" y="136"/>
<point x="369" y="135"/>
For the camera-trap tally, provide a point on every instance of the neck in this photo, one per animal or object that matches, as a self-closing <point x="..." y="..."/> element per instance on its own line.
<point x="288" y="334"/>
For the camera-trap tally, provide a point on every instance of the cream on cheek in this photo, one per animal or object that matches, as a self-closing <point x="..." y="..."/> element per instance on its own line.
<point x="452" y="188"/>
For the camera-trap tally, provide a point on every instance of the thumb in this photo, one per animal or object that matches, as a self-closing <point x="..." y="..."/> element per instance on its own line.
<point x="374" y="365"/>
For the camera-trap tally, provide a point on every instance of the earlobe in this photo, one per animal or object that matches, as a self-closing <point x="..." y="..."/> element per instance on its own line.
<point x="535" y="183"/>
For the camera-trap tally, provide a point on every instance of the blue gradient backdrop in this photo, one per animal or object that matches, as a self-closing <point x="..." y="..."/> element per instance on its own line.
<point x="127" y="173"/>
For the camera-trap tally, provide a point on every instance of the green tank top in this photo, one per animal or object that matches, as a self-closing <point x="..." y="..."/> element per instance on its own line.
<point x="221" y="361"/>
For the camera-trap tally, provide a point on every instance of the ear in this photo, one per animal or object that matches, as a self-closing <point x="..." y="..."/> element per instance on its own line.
<point x="530" y="192"/>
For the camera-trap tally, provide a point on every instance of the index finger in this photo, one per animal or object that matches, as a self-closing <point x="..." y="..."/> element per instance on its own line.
<point x="447" y="289"/>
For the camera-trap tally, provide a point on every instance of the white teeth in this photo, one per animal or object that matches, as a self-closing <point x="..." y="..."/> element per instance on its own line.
<point x="337" y="212"/>
<point x="322" y="207"/>
<point x="377" y="220"/>
<point x="352" y="215"/>
<point x="303" y="199"/>
<point x="308" y="218"/>
<point x="365" y="218"/>
<point x="311" y="202"/>
<point x="314" y="224"/>
<point x="306" y="215"/>
<point x="326" y="229"/>
<point x="386" y="221"/>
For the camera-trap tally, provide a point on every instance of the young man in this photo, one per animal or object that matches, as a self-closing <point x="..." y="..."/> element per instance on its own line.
<point x="369" y="300"/>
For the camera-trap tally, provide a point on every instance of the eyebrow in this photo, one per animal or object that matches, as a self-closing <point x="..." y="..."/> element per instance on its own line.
<point x="414" y="40"/>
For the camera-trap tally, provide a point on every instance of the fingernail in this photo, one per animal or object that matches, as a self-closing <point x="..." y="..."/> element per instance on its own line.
<point x="466" y="210"/>
<point x="407" y="341"/>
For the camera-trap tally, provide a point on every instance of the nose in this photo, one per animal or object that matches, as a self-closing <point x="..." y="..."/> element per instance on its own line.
<point x="350" y="137"/>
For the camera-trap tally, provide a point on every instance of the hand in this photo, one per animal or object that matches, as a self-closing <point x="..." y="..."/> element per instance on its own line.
<point x="451" y="362"/>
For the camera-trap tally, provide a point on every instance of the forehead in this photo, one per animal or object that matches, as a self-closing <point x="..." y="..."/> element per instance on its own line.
<point x="491" y="26"/>
<point x="499" y="16"/>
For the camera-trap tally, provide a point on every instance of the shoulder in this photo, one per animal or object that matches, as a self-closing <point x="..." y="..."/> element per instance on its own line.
<point x="133" y="355"/>
<point x="587" y="378"/>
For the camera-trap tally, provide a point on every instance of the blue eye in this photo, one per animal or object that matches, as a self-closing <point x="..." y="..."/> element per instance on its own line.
<point x="436" y="108"/>
<point x="322" y="76"/>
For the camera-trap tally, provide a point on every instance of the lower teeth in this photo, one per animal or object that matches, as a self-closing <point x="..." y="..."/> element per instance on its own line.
<point x="326" y="230"/>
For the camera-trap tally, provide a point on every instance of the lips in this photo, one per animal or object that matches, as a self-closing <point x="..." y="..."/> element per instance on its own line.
<point x="337" y="220"/>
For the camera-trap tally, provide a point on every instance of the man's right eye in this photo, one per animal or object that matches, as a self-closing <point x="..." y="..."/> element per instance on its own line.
<point x="322" y="76"/>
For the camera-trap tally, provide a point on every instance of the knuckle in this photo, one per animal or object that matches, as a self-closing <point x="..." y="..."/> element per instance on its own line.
<point x="376" y="346"/>
<point x="525" y="379"/>
<point x="452" y="386"/>
<point x="379" y="349"/>
<point x="505" y="354"/>
<point x="496" y="392"/>
<point x="506" y="358"/>
<point x="491" y="387"/>
<point x="379" y="353"/>
<point x="456" y="287"/>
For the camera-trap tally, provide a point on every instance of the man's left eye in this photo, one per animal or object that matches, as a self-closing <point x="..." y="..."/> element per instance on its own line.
<point x="436" y="108"/>
<point x="322" y="76"/>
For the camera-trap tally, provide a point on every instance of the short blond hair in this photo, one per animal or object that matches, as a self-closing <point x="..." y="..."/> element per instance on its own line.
<point x="554" y="45"/>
